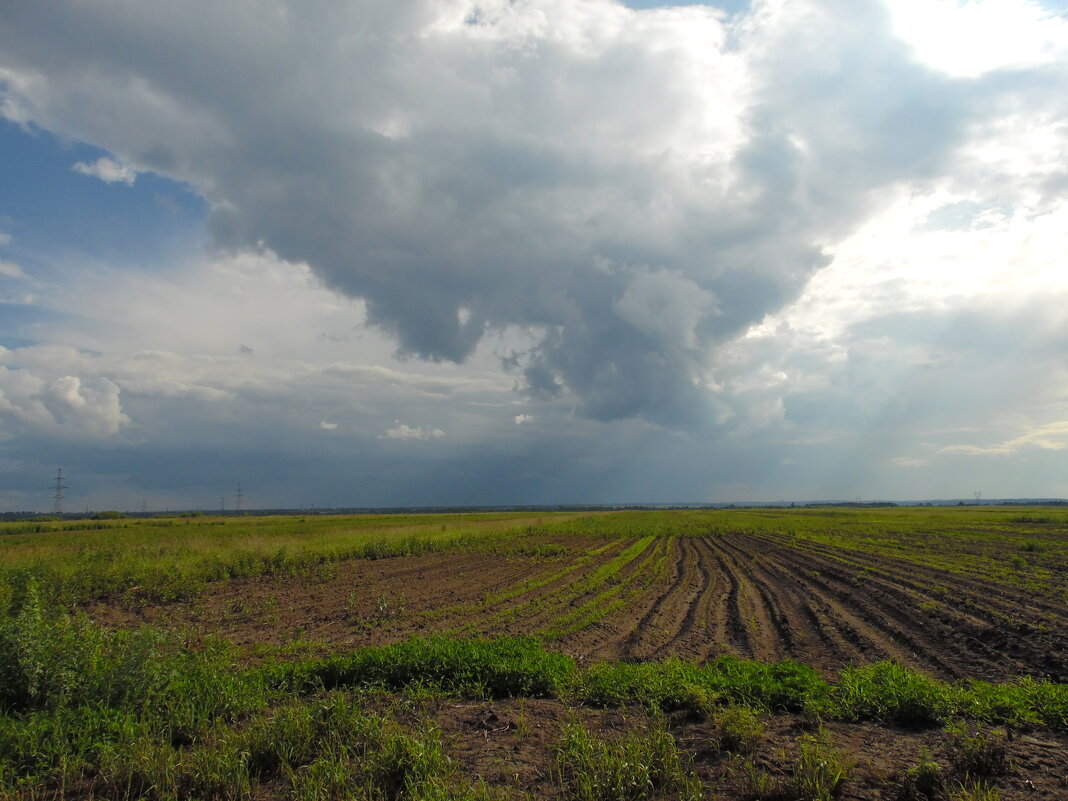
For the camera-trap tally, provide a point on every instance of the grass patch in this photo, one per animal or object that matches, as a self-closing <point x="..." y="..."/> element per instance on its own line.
<point x="504" y="667"/>
<point x="643" y="764"/>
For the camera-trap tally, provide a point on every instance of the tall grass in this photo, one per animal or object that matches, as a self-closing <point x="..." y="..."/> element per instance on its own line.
<point x="640" y="765"/>
<point x="147" y="561"/>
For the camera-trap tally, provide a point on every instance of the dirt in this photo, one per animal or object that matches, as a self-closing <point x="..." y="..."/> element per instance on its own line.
<point x="767" y="597"/>
<point x="510" y="745"/>
<point x="760" y="597"/>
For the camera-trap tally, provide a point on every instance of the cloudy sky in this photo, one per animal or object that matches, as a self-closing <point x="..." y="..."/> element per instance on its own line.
<point x="392" y="252"/>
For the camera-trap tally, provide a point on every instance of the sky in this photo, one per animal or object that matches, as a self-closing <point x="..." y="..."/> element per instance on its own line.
<point x="443" y="252"/>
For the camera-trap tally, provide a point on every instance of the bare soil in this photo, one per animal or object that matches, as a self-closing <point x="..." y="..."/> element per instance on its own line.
<point x="764" y="597"/>
<point x="510" y="745"/>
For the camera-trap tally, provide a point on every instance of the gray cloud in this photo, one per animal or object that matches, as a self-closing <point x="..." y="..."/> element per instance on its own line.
<point x="635" y="188"/>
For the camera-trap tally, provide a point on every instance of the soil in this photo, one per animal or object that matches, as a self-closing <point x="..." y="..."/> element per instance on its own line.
<point x="762" y="597"/>
<point x="510" y="745"/>
<point x="765" y="596"/>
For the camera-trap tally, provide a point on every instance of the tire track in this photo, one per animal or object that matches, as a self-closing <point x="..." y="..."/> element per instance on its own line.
<point x="696" y="608"/>
<point x="631" y="647"/>
<point x="1001" y="599"/>
<point x="820" y="636"/>
<point x="710" y="623"/>
<point x="751" y="618"/>
<point x="883" y="614"/>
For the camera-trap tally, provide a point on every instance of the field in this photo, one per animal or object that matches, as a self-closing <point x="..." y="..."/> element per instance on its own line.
<point x="759" y="653"/>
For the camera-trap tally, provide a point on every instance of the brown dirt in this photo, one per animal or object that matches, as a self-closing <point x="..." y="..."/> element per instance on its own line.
<point x="509" y="744"/>
<point x="766" y="597"/>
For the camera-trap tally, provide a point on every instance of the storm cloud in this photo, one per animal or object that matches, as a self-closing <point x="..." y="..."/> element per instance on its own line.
<point x="538" y="250"/>
<point x="634" y="188"/>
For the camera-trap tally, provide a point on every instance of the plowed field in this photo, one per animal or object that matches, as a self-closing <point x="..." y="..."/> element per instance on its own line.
<point x="764" y="595"/>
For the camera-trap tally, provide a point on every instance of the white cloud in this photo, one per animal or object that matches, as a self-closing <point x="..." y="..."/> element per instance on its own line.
<point x="11" y="270"/>
<point x="908" y="461"/>
<point x="969" y="39"/>
<point x="325" y="426"/>
<point x="404" y="431"/>
<point x="520" y="419"/>
<point x="64" y="406"/>
<point x="1050" y="437"/>
<point x="5" y="239"/>
<point x="107" y="170"/>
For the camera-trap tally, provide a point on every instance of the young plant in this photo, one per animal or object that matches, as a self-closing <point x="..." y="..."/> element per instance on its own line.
<point x="641" y="765"/>
<point x="739" y="729"/>
<point x="978" y="752"/>
<point x="819" y="771"/>
<point x="924" y="781"/>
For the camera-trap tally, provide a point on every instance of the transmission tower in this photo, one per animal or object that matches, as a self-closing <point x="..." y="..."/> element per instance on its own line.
<point x="239" y="500"/>
<point x="57" y="495"/>
<point x="978" y="496"/>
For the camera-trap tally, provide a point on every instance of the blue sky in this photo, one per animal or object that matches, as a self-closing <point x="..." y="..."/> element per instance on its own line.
<point x="544" y="252"/>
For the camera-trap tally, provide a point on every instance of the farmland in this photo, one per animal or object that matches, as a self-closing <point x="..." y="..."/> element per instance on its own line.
<point x="731" y="653"/>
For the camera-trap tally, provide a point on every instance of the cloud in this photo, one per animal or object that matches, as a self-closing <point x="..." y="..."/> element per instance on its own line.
<point x="813" y="234"/>
<point x="1050" y="437"/>
<point x="325" y="426"/>
<point x="65" y="406"/>
<point x="107" y="170"/>
<point x="5" y="239"/>
<point x="403" y="431"/>
<point x="10" y="270"/>
<point x="907" y="461"/>
<point x="634" y="189"/>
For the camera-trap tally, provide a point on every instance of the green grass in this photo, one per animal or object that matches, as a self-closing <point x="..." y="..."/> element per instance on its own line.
<point x="154" y="560"/>
<point x="644" y="764"/>
<point x="144" y="713"/>
<point x="141" y="714"/>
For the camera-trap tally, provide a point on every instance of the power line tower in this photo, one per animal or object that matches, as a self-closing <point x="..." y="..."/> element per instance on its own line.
<point x="57" y="494"/>
<point x="239" y="500"/>
<point x="978" y="497"/>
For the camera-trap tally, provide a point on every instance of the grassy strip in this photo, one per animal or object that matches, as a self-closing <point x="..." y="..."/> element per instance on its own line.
<point x="504" y="667"/>
<point x="144" y="561"/>
<point x="613" y="598"/>
<point x="141" y="714"/>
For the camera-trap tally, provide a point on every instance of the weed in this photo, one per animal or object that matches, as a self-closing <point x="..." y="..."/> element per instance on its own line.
<point x="978" y="752"/>
<point x="974" y="791"/>
<point x="754" y="784"/>
<point x="924" y="781"/>
<point x="640" y="765"/>
<point x="819" y="771"/>
<point x="890" y="693"/>
<point x="490" y="668"/>
<point x="739" y="729"/>
<point x="388" y="608"/>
